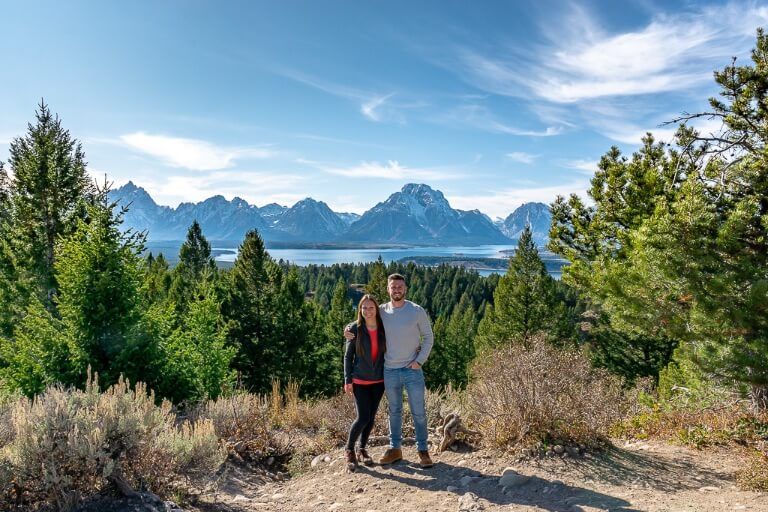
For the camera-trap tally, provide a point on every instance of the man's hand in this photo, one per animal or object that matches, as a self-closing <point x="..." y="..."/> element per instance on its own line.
<point x="348" y="389"/>
<point x="348" y="335"/>
<point x="414" y="366"/>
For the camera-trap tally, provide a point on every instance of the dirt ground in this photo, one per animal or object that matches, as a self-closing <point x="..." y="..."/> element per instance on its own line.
<point x="637" y="476"/>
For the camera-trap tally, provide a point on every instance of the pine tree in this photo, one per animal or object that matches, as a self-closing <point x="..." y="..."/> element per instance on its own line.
<point x="5" y="197"/>
<point x="522" y="300"/>
<point x="249" y="308"/>
<point x="195" y="358"/>
<point x="454" y="347"/>
<point x="194" y="259"/>
<point x="98" y="269"/>
<point x="676" y="245"/>
<point x="157" y="280"/>
<point x="377" y="282"/>
<point x="50" y="187"/>
<point x="38" y="354"/>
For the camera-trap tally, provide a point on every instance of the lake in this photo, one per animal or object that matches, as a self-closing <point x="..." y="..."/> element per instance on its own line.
<point x="225" y="255"/>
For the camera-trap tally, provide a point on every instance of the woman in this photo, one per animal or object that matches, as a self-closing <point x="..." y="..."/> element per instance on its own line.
<point x="364" y="376"/>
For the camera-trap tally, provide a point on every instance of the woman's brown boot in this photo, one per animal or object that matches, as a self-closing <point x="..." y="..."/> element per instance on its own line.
<point x="349" y="456"/>
<point x="362" y="456"/>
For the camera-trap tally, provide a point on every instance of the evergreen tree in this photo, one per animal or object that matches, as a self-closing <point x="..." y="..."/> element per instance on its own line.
<point x="454" y="348"/>
<point x="683" y="256"/>
<point x="38" y="354"/>
<point x="50" y="186"/>
<point x="157" y="280"/>
<point x="194" y="259"/>
<point x="377" y="282"/>
<point x="522" y="300"/>
<point x="5" y="197"/>
<point x="332" y="357"/>
<point x="195" y="358"/>
<point x="98" y="269"/>
<point x="249" y="308"/>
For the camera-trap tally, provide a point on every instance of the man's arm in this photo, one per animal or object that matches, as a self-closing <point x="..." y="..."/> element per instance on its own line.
<point x="349" y="334"/>
<point x="349" y="355"/>
<point x="427" y="337"/>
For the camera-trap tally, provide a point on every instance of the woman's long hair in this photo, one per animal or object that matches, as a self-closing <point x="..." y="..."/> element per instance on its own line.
<point x="361" y="321"/>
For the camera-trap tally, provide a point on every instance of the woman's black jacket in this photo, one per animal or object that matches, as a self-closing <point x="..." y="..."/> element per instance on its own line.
<point x="362" y="367"/>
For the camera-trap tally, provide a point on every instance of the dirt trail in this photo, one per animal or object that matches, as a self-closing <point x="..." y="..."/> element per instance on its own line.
<point x="633" y="477"/>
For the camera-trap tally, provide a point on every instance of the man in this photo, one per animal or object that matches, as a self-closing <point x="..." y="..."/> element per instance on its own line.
<point x="409" y="341"/>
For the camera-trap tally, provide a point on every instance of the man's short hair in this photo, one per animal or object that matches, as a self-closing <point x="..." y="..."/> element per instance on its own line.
<point x="396" y="277"/>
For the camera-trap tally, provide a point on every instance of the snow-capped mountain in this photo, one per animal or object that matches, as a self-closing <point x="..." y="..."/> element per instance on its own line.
<point x="310" y="221"/>
<point x="537" y="215"/>
<point x="418" y="214"/>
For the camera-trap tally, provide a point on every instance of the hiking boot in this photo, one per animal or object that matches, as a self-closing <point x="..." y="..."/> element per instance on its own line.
<point x="391" y="456"/>
<point x="425" y="460"/>
<point x="349" y="456"/>
<point x="362" y="456"/>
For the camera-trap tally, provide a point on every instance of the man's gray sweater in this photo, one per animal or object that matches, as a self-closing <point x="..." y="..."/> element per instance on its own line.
<point x="409" y="334"/>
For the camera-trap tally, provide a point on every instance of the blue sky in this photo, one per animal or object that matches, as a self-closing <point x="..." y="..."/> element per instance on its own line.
<point x="495" y="103"/>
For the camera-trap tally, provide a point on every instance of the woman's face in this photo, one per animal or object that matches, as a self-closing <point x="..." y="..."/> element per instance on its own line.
<point x="368" y="308"/>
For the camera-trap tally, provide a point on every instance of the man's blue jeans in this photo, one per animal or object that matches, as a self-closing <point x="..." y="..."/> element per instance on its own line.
<point x="395" y="379"/>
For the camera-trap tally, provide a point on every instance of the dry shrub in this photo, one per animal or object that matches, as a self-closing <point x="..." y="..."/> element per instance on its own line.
<point x="754" y="476"/>
<point x="328" y="418"/>
<point x="542" y="394"/>
<point x="242" y="417"/>
<point x="68" y="444"/>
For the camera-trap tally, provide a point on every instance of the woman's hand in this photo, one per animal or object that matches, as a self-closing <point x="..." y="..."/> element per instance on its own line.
<point x="348" y="389"/>
<point x="348" y="335"/>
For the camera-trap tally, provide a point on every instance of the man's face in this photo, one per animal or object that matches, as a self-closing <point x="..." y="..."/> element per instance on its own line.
<point x="396" y="289"/>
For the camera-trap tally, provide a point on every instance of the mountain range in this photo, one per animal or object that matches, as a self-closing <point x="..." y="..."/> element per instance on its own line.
<point x="417" y="215"/>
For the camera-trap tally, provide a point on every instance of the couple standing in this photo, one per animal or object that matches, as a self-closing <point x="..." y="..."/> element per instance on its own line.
<point x="386" y="348"/>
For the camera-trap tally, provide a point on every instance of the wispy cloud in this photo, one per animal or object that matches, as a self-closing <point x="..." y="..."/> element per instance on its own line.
<point x="480" y="117"/>
<point x="587" y="167"/>
<point x="671" y="53"/>
<point x="632" y="133"/>
<point x="522" y="157"/>
<point x="390" y="170"/>
<point x="369" y="108"/>
<point x="374" y="106"/>
<point x="194" y="154"/>
<point x="500" y="203"/>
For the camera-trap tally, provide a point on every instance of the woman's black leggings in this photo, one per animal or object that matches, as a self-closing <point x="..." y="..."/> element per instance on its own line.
<point x="367" y="398"/>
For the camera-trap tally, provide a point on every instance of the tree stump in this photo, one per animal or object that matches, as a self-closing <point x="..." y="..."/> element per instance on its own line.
<point x="452" y="426"/>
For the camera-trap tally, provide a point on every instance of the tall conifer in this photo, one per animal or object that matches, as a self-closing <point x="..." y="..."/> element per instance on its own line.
<point x="50" y="186"/>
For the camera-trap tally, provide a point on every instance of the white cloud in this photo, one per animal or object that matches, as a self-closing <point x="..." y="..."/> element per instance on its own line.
<point x="478" y="116"/>
<point x="587" y="167"/>
<point x="391" y="170"/>
<point x="374" y="107"/>
<point x="255" y="187"/>
<point x="500" y="203"/>
<point x="369" y="108"/>
<point x="581" y="62"/>
<point x="194" y="154"/>
<point x="632" y="133"/>
<point x="522" y="157"/>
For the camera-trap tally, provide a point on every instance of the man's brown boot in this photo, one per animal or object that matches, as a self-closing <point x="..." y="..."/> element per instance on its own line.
<point x="391" y="456"/>
<point x="425" y="460"/>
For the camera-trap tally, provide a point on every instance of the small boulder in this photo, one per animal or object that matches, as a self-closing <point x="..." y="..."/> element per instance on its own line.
<point x="558" y="449"/>
<point x="469" y="502"/>
<point x="511" y="478"/>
